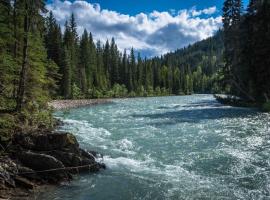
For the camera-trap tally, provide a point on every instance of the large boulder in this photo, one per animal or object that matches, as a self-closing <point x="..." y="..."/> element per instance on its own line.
<point x="38" y="161"/>
<point x="84" y="160"/>
<point x="45" y="166"/>
<point x="47" y="141"/>
<point x="67" y="158"/>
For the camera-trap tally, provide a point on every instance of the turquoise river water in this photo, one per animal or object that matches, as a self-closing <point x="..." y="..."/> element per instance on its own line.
<point x="186" y="147"/>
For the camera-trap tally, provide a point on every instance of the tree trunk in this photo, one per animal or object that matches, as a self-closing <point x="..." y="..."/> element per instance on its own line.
<point x="21" y="87"/>
<point x="243" y="91"/>
<point x="15" y="46"/>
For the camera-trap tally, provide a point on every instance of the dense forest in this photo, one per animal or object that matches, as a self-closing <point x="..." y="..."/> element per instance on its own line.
<point x="247" y="49"/>
<point x="94" y="70"/>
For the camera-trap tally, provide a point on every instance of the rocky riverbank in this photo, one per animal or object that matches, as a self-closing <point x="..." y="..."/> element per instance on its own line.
<point x="36" y="159"/>
<point x="65" y="104"/>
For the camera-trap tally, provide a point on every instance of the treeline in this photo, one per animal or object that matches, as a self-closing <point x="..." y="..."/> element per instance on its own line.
<point x="94" y="70"/>
<point x="247" y="49"/>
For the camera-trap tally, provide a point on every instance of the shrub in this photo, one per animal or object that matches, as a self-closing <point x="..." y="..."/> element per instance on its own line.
<point x="76" y="92"/>
<point x="266" y="106"/>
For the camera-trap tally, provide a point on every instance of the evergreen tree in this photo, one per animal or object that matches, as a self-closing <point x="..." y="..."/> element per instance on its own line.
<point x="131" y="66"/>
<point x="84" y="61"/>
<point x="107" y="61"/>
<point x="114" y="54"/>
<point x="8" y="65"/>
<point x="32" y="18"/>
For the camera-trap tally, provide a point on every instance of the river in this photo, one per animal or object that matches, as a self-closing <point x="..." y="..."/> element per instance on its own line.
<point x="182" y="147"/>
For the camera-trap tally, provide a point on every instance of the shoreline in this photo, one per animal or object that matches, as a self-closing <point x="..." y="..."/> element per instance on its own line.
<point x="76" y="103"/>
<point x="62" y="104"/>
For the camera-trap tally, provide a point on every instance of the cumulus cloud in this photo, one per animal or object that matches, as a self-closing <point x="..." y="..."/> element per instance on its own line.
<point x="207" y="11"/>
<point x="153" y="34"/>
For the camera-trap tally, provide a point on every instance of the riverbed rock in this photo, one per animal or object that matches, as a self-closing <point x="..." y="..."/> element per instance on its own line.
<point x="47" y="141"/>
<point x="46" y="166"/>
<point x="45" y="157"/>
<point x="67" y="158"/>
<point x="23" y="182"/>
<point x="90" y="155"/>
<point x="38" y="161"/>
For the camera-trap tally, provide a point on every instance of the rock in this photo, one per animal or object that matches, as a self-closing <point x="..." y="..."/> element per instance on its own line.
<point x="5" y="179"/>
<point x="24" y="182"/>
<point x="45" y="157"/>
<point x="89" y="155"/>
<point x="28" y="173"/>
<point x="68" y="159"/>
<point x="7" y="169"/>
<point x="47" y="142"/>
<point x="37" y="161"/>
<point x="58" y="123"/>
<point x="41" y="163"/>
<point x="102" y="166"/>
<point x="84" y="161"/>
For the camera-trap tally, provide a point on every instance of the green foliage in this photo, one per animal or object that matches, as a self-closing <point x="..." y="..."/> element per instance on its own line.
<point x="266" y="106"/>
<point x="7" y="125"/>
<point x="157" y="91"/>
<point x="77" y="93"/>
<point x="28" y="77"/>
<point x="119" y="91"/>
<point x="37" y="81"/>
<point x="247" y="46"/>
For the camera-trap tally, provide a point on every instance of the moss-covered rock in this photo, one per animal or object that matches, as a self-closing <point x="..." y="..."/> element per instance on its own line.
<point x="46" y="141"/>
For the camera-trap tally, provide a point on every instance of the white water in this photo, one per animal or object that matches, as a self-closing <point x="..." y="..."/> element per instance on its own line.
<point x="171" y="148"/>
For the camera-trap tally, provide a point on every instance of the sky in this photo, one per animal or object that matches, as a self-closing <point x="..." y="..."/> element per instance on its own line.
<point x="152" y="27"/>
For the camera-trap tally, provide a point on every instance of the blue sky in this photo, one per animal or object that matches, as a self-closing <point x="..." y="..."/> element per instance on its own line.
<point x="134" y="7"/>
<point x="152" y="27"/>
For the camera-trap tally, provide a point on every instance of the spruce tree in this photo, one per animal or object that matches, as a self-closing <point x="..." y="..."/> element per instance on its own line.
<point x="32" y="18"/>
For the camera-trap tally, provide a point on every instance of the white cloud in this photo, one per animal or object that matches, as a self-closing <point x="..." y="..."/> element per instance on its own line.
<point x="207" y="11"/>
<point x="154" y="34"/>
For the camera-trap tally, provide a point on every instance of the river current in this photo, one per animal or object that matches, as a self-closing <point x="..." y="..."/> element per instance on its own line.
<point x="182" y="147"/>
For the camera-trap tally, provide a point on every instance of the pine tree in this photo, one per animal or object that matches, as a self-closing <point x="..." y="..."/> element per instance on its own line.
<point x="84" y="62"/>
<point x="125" y="68"/>
<point x="131" y="66"/>
<point x="107" y="61"/>
<point x="8" y="65"/>
<point x="31" y="19"/>
<point x="91" y="69"/>
<point x="114" y="54"/>
<point x="53" y="39"/>
<point x="66" y="78"/>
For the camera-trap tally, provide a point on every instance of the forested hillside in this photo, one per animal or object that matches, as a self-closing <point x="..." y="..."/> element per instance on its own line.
<point x="198" y="65"/>
<point x="95" y="70"/>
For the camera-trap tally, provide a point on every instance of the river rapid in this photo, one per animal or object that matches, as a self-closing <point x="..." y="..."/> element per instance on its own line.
<point x="181" y="147"/>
